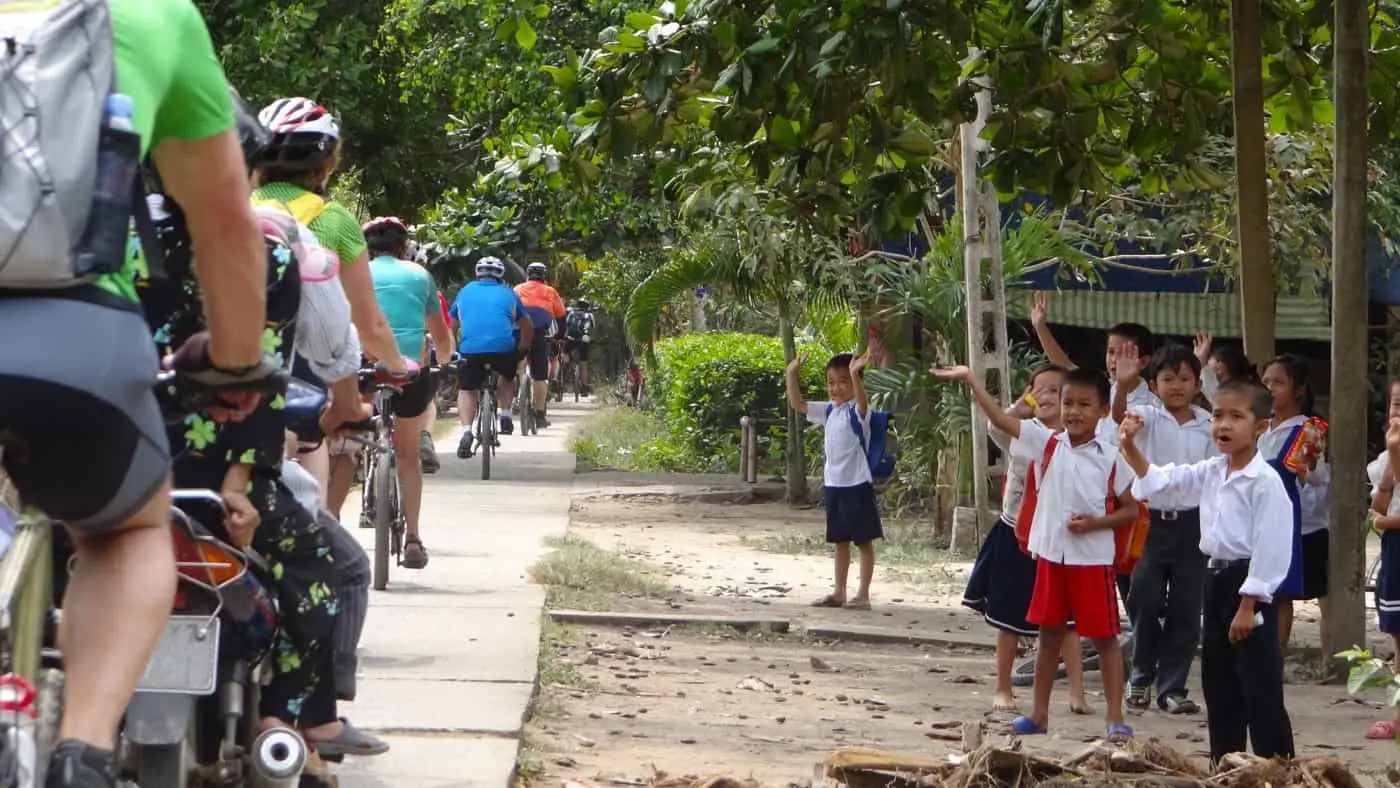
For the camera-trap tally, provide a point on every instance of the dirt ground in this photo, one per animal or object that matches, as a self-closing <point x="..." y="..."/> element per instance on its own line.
<point x="704" y="701"/>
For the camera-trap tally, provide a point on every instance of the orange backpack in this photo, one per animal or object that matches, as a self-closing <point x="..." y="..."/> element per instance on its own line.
<point x="1128" y="540"/>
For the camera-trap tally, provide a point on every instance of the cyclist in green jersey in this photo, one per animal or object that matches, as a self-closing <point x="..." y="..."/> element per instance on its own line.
<point x="294" y="170"/>
<point x="77" y="368"/>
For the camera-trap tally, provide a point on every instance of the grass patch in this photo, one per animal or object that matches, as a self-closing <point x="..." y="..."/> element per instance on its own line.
<point x="529" y="767"/>
<point x="580" y="575"/>
<point x="627" y="439"/>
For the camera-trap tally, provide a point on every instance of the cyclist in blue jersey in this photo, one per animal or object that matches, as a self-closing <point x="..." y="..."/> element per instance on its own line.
<point x="494" y="330"/>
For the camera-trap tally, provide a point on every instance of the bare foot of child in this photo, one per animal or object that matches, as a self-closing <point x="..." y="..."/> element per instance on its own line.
<point x="1080" y="705"/>
<point x="1003" y="701"/>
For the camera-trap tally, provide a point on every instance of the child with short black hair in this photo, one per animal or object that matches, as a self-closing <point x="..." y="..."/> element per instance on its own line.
<point x="1079" y="479"/>
<point x="1246" y="524"/>
<point x="1003" y="576"/>
<point x="1164" y="600"/>
<point x="1220" y="364"/>
<point x="852" y="515"/>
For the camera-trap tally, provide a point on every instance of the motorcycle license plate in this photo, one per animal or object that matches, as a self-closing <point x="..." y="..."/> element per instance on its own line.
<point x="186" y="661"/>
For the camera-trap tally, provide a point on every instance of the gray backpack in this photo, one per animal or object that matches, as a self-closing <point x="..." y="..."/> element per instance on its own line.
<point x="57" y="69"/>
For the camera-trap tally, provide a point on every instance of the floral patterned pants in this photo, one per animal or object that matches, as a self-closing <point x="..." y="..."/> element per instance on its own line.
<point x="306" y="579"/>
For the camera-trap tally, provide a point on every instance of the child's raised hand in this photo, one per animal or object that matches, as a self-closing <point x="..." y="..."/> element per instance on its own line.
<point x="1040" y="307"/>
<point x="1392" y="434"/>
<point x="1127" y="366"/>
<point x="1129" y="428"/>
<point x="958" y="373"/>
<point x="859" y="363"/>
<point x="797" y="362"/>
<point x="1201" y="346"/>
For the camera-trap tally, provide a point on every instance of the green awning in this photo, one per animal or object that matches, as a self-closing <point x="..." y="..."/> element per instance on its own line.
<point x="1184" y="314"/>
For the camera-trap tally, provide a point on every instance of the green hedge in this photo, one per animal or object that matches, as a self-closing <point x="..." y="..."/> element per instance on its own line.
<point x="704" y="383"/>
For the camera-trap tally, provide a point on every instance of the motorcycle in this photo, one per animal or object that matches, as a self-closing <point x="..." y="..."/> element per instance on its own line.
<point x="194" y="721"/>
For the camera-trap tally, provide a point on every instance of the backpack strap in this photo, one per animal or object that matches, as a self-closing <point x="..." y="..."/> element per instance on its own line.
<point x="860" y="433"/>
<point x="151" y="250"/>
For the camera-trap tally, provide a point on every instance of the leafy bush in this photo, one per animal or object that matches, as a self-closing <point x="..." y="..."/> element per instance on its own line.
<point x="627" y="439"/>
<point x="704" y="384"/>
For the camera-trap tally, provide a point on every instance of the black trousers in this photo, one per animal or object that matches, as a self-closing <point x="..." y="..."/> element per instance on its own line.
<point x="1165" y="601"/>
<point x="1242" y="682"/>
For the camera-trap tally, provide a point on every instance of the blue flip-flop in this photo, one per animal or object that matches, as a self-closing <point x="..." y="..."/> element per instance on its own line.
<point x="1025" y="726"/>
<point x="1119" y="732"/>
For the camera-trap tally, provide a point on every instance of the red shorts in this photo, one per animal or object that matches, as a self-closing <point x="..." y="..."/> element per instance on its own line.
<point x="1086" y="594"/>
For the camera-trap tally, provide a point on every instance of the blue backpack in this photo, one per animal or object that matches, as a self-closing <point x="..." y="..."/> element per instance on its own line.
<point x="877" y="452"/>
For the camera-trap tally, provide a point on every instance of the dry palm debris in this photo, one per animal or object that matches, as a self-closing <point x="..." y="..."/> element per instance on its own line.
<point x="1141" y="763"/>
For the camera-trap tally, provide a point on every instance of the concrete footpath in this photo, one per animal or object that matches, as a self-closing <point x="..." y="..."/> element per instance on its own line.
<point x="449" y="655"/>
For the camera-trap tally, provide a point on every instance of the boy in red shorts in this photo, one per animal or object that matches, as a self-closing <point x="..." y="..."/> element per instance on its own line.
<point x="1071" y="535"/>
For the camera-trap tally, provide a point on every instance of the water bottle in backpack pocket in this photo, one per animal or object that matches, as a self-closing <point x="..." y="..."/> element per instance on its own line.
<point x="103" y="246"/>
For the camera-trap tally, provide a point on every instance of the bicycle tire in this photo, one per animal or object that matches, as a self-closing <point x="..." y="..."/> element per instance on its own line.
<point x="577" y="381"/>
<point x="486" y="419"/>
<point x="368" y="458"/>
<point x="383" y="520"/>
<point x="527" y="407"/>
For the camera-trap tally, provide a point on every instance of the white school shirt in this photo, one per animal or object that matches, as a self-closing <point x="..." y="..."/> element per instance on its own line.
<point x="1016" y="467"/>
<point x="1140" y="397"/>
<point x="1244" y="515"/>
<point x="1075" y="483"/>
<point x="845" y="464"/>
<point x="1273" y="441"/>
<point x="1375" y="471"/>
<point x="1164" y="441"/>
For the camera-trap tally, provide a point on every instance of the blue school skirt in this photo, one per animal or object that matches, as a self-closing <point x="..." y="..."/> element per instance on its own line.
<point x="1388" y="584"/>
<point x="1002" y="581"/>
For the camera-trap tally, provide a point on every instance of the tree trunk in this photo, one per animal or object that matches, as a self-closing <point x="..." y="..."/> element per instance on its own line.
<point x="1251" y="184"/>
<point x="796" y="452"/>
<point x="1349" y="402"/>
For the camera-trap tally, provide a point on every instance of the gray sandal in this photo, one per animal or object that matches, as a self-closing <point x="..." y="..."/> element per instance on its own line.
<point x="351" y="741"/>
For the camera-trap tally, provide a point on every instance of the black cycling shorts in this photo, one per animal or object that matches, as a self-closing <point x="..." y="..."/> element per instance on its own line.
<point x="413" y="400"/>
<point x="471" y="370"/>
<point x="83" y="437"/>
<point x="578" y="350"/>
<point x="539" y="357"/>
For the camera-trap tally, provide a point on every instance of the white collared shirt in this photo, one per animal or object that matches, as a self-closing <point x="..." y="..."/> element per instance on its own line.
<point x="1375" y="470"/>
<point x="1076" y="482"/>
<point x="1015" y="488"/>
<point x="1165" y="441"/>
<point x="1244" y="515"/>
<point x="845" y="464"/>
<point x="1140" y="397"/>
<point x="1275" y="440"/>
<point x="1313" y="496"/>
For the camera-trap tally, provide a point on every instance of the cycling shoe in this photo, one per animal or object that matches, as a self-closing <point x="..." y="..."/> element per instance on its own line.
<point x="78" y="765"/>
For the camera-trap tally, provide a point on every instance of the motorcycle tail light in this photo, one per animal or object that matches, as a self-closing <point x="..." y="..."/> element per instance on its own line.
<point x="204" y="561"/>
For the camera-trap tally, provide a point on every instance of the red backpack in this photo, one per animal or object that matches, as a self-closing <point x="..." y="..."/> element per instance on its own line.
<point x="1128" y="541"/>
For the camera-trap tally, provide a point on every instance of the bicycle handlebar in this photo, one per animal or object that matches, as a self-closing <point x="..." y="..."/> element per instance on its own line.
<point x="178" y="396"/>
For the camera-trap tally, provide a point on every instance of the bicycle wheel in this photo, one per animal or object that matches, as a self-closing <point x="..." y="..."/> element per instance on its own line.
<point x="383" y="483"/>
<point x="486" y="431"/>
<point x="527" y="406"/>
<point x="577" y="381"/>
<point x="368" y="459"/>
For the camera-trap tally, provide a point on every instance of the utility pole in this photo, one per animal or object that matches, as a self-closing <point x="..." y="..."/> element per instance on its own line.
<point x="1252" y="188"/>
<point x="986" y="297"/>
<point x="1350" y="302"/>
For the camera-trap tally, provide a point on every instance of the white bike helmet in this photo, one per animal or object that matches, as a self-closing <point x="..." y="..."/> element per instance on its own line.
<point x="304" y="133"/>
<point x="536" y="272"/>
<point x="490" y="267"/>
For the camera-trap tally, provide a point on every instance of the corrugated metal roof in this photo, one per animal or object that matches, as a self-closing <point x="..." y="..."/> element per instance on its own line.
<point x="1296" y="317"/>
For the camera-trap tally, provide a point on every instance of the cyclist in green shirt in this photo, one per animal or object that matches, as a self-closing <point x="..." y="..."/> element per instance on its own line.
<point x="77" y="370"/>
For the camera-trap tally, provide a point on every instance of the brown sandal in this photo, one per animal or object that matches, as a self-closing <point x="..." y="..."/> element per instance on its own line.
<point x="412" y="561"/>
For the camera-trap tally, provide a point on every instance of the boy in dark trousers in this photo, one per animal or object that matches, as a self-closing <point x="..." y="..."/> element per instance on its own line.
<point x="1071" y="534"/>
<point x="852" y="516"/>
<point x="1164" y="603"/>
<point x="1246" y="533"/>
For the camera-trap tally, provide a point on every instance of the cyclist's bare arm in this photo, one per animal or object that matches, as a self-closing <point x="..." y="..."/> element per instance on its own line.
<point x="441" y="334"/>
<point x="376" y="337"/>
<point x="209" y="180"/>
